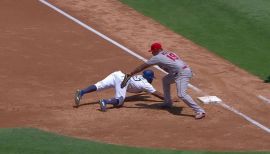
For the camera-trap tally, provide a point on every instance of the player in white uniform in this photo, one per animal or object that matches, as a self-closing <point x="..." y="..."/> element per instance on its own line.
<point x="137" y="84"/>
<point x="178" y="72"/>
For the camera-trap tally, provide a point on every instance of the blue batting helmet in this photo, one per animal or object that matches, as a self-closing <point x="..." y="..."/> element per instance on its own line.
<point x="149" y="75"/>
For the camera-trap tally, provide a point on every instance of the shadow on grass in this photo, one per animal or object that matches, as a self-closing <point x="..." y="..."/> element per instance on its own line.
<point x="267" y="80"/>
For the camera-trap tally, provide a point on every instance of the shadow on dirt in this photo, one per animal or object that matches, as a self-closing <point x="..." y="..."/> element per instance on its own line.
<point x="143" y="97"/>
<point x="134" y="98"/>
<point x="157" y="106"/>
<point x="173" y="110"/>
<point x="84" y="104"/>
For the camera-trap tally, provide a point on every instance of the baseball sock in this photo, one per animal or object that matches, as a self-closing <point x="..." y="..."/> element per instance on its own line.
<point x="112" y="101"/>
<point x="88" y="89"/>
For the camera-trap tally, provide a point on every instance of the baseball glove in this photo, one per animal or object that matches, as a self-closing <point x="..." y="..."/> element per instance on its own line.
<point x="124" y="82"/>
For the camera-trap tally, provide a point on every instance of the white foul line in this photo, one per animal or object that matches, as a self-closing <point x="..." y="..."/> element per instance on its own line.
<point x="106" y="38"/>
<point x="143" y="59"/>
<point x="264" y="99"/>
<point x="244" y="116"/>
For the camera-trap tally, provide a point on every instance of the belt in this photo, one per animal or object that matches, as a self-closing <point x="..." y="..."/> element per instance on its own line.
<point x="184" y="67"/>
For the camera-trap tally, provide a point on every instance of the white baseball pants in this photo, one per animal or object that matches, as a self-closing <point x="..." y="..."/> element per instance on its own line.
<point x="114" y="81"/>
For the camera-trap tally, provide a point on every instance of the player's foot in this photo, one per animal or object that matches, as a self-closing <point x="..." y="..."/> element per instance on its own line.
<point x="102" y="105"/>
<point x="165" y="105"/>
<point x="199" y="115"/>
<point x="77" y="97"/>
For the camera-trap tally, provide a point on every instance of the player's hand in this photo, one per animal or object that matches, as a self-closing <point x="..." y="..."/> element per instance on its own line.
<point x="126" y="78"/>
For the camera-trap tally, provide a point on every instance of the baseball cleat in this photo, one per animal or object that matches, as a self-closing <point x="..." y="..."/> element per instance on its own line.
<point x="102" y="105"/>
<point x="77" y="97"/>
<point x="199" y="115"/>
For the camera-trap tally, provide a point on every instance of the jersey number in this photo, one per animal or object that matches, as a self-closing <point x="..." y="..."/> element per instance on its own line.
<point x="136" y="78"/>
<point x="172" y="56"/>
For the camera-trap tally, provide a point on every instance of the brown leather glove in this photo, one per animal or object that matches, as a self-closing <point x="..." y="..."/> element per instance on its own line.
<point x="126" y="79"/>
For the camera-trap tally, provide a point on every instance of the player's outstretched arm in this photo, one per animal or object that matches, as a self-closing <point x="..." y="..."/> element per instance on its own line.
<point x="139" y="68"/>
<point x="136" y="70"/>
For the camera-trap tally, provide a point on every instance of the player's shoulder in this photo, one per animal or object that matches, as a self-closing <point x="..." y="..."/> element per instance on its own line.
<point x="166" y="52"/>
<point x="163" y="52"/>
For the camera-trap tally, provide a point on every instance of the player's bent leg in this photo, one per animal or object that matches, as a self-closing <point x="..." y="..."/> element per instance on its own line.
<point x="182" y="85"/>
<point x="108" y="82"/>
<point x="120" y="93"/>
<point x="166" y="83"/>
<point x="112" y="101"/>
<point x="116" y="102"/>
<point x="77" y="97"/>
<point x="121" y="100"/>
<point x="79" y="93"/>
<point x="103" y="105"/>
<point x="89" y="89"/>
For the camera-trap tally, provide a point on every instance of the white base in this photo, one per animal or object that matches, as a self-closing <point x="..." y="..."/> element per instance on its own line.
<point x="209" y="99"/>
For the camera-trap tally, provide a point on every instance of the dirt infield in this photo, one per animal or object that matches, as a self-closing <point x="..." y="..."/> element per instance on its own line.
<point x="45" y="57"/>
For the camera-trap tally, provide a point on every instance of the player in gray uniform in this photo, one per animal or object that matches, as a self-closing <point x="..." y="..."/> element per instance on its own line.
<point x="137" y="84"/>
<point x="178" y="72"/>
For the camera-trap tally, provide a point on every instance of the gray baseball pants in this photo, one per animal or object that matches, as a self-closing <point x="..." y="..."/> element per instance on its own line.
<point x="182" y="81"/>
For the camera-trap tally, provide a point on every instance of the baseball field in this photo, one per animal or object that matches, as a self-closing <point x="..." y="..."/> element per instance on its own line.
<point x="50" y="48"/>
<point x="237" y="30"/>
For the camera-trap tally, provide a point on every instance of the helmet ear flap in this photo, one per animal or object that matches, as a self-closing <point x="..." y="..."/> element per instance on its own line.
<point x="150" y="80"/>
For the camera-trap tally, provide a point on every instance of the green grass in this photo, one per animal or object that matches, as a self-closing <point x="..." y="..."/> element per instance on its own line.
<point x="33" y="141"/>
<point x="237" y="30"/>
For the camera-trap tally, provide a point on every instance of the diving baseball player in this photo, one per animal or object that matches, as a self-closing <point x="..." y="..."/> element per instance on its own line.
<point x="178" y="72"/>
<point x="137" y="84"/>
